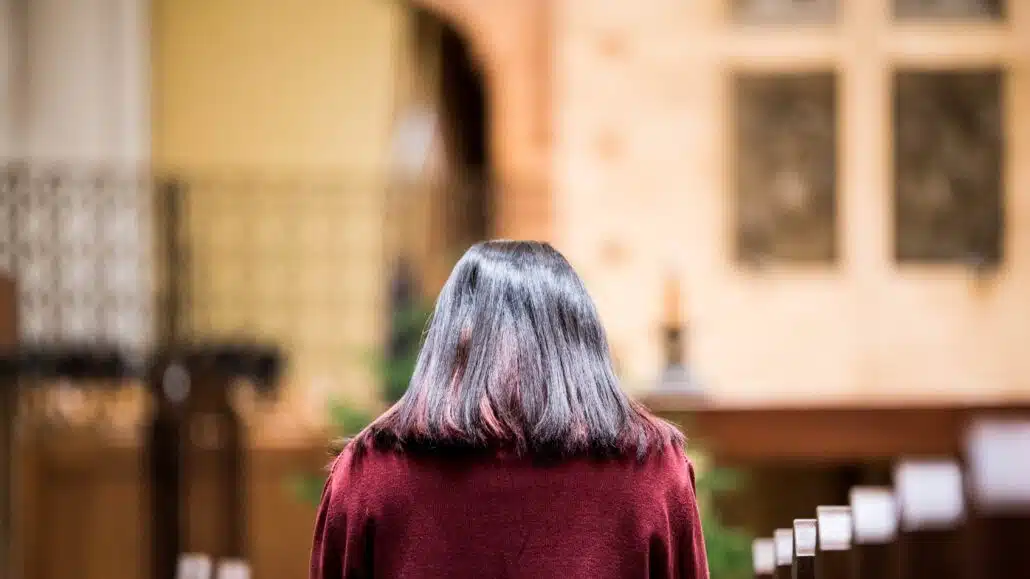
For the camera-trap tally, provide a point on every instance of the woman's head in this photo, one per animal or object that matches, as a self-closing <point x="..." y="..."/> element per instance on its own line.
<point x="515" y="357"/>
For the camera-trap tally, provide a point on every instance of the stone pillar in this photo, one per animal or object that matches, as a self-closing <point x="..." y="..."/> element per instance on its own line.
<point x="10" y="58"/>
<point x="86" y="81"/>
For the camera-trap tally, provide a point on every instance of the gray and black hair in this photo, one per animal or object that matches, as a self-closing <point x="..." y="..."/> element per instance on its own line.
<point x="515" y="357"/>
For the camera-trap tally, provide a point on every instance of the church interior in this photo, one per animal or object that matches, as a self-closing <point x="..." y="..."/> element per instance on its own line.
<point x="806" y="226"/>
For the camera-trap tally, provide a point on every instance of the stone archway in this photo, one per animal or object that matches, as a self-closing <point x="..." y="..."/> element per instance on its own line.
<point x="511" y="42"/>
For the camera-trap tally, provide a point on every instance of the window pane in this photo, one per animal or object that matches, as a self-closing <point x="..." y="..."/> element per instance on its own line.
<point x="948" y="147"/>
<point x="786" y="168"/>
<point x="936" y="9"/>
<point x="784" y="11"/>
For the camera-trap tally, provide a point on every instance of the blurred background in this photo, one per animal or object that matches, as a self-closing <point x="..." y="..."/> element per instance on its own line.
<point x="806" y="225"/>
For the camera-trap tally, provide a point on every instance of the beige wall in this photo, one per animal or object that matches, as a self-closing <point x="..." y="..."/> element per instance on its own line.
<point x="642" y="166"/>
<point x="292" y="98"/>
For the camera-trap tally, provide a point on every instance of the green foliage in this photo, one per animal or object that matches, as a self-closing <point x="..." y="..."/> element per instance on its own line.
<point x="347" y="420"/>
<point x="729" y="549"/>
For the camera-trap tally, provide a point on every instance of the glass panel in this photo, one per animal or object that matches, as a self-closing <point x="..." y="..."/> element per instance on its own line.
<point x="786" y="167"/>
<point x="968" y="9"/>
<point x="948" y="147"/>
<point x="784" y="11"/>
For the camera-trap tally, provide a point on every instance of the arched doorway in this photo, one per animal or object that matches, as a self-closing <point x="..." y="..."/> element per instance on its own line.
<point x="464" y="127"/>
<point x="452" y="207"/>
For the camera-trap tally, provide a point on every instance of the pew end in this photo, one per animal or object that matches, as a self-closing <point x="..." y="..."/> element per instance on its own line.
<point x="874" y="517"/>
<point x="999" y="489"/>
<point x="932" y="506"/>
<point x="784" y="545"/>
<point x="763" y="558"/>
<point x="805" y="542"/>
<point x="833" y="558"/>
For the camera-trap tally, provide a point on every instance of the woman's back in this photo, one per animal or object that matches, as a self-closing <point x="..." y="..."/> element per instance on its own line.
<point x="514" y="357"/>
<point x="392" y="514"/>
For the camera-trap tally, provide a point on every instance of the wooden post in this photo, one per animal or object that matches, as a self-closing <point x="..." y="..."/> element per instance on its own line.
<point x="999" y="473"/>
<point x="212" y="459"/>
<point x="833" y="559"/>
<point x="196" y="453"/>
<point x="874" y="518"/>
<point x="805" y="541"/>
<point x="8" y="404"/>
<point x="784" y="543"/>
<point x="763" y="558"/>
<point x="170" y="381"/>
<point x="932" y="506"/>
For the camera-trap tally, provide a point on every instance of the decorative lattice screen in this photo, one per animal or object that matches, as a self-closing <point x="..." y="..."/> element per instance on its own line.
<point x="78" y="242"/>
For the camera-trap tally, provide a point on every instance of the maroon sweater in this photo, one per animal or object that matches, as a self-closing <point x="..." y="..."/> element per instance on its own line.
<point x="392" y="515"/>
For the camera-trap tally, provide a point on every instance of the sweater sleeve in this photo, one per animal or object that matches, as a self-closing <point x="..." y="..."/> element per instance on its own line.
<point x="692" y="560"/>
<point x="341" y="543"/>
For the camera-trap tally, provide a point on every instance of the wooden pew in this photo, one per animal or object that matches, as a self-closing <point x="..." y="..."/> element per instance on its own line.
<point x="805" y="541"/>
<point x="874" y="517"/>
<point x="999" y="487"/>
<point x="833" y="558"/>
<point x="763" y="558"/>
<point x="924" y="528"/>
<point x="931" y="503"/>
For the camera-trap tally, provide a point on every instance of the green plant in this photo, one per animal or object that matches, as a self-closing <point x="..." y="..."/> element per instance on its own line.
<point x="729" y="549"/>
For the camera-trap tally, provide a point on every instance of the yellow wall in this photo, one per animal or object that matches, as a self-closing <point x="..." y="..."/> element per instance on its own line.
<point x="274" y="84"/>
<point x="280" y="114"/>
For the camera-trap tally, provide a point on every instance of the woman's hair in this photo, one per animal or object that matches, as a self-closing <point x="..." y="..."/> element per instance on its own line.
<point x="515" y="358"/>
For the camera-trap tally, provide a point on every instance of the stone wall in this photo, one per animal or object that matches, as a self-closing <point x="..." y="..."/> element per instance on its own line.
<point x="645" y="173"/>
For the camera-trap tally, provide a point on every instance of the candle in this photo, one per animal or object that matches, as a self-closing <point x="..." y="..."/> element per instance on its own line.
<point x="673" y="317"/>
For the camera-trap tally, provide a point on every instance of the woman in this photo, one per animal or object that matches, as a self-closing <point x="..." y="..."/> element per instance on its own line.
<point x="514" y="453"/>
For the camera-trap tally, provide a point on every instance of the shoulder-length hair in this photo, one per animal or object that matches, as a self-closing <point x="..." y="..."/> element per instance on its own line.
<point x="515" y="358"/>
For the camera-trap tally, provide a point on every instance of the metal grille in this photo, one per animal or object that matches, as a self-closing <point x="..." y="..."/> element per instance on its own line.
<point x="297" y="262"/>
<point x="78" y="244"/>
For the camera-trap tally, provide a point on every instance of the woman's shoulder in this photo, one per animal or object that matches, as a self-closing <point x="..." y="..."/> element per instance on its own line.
<point x="670" y="470"/>
<point x="369" y="473"/>
<point x="355" y="466"/>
